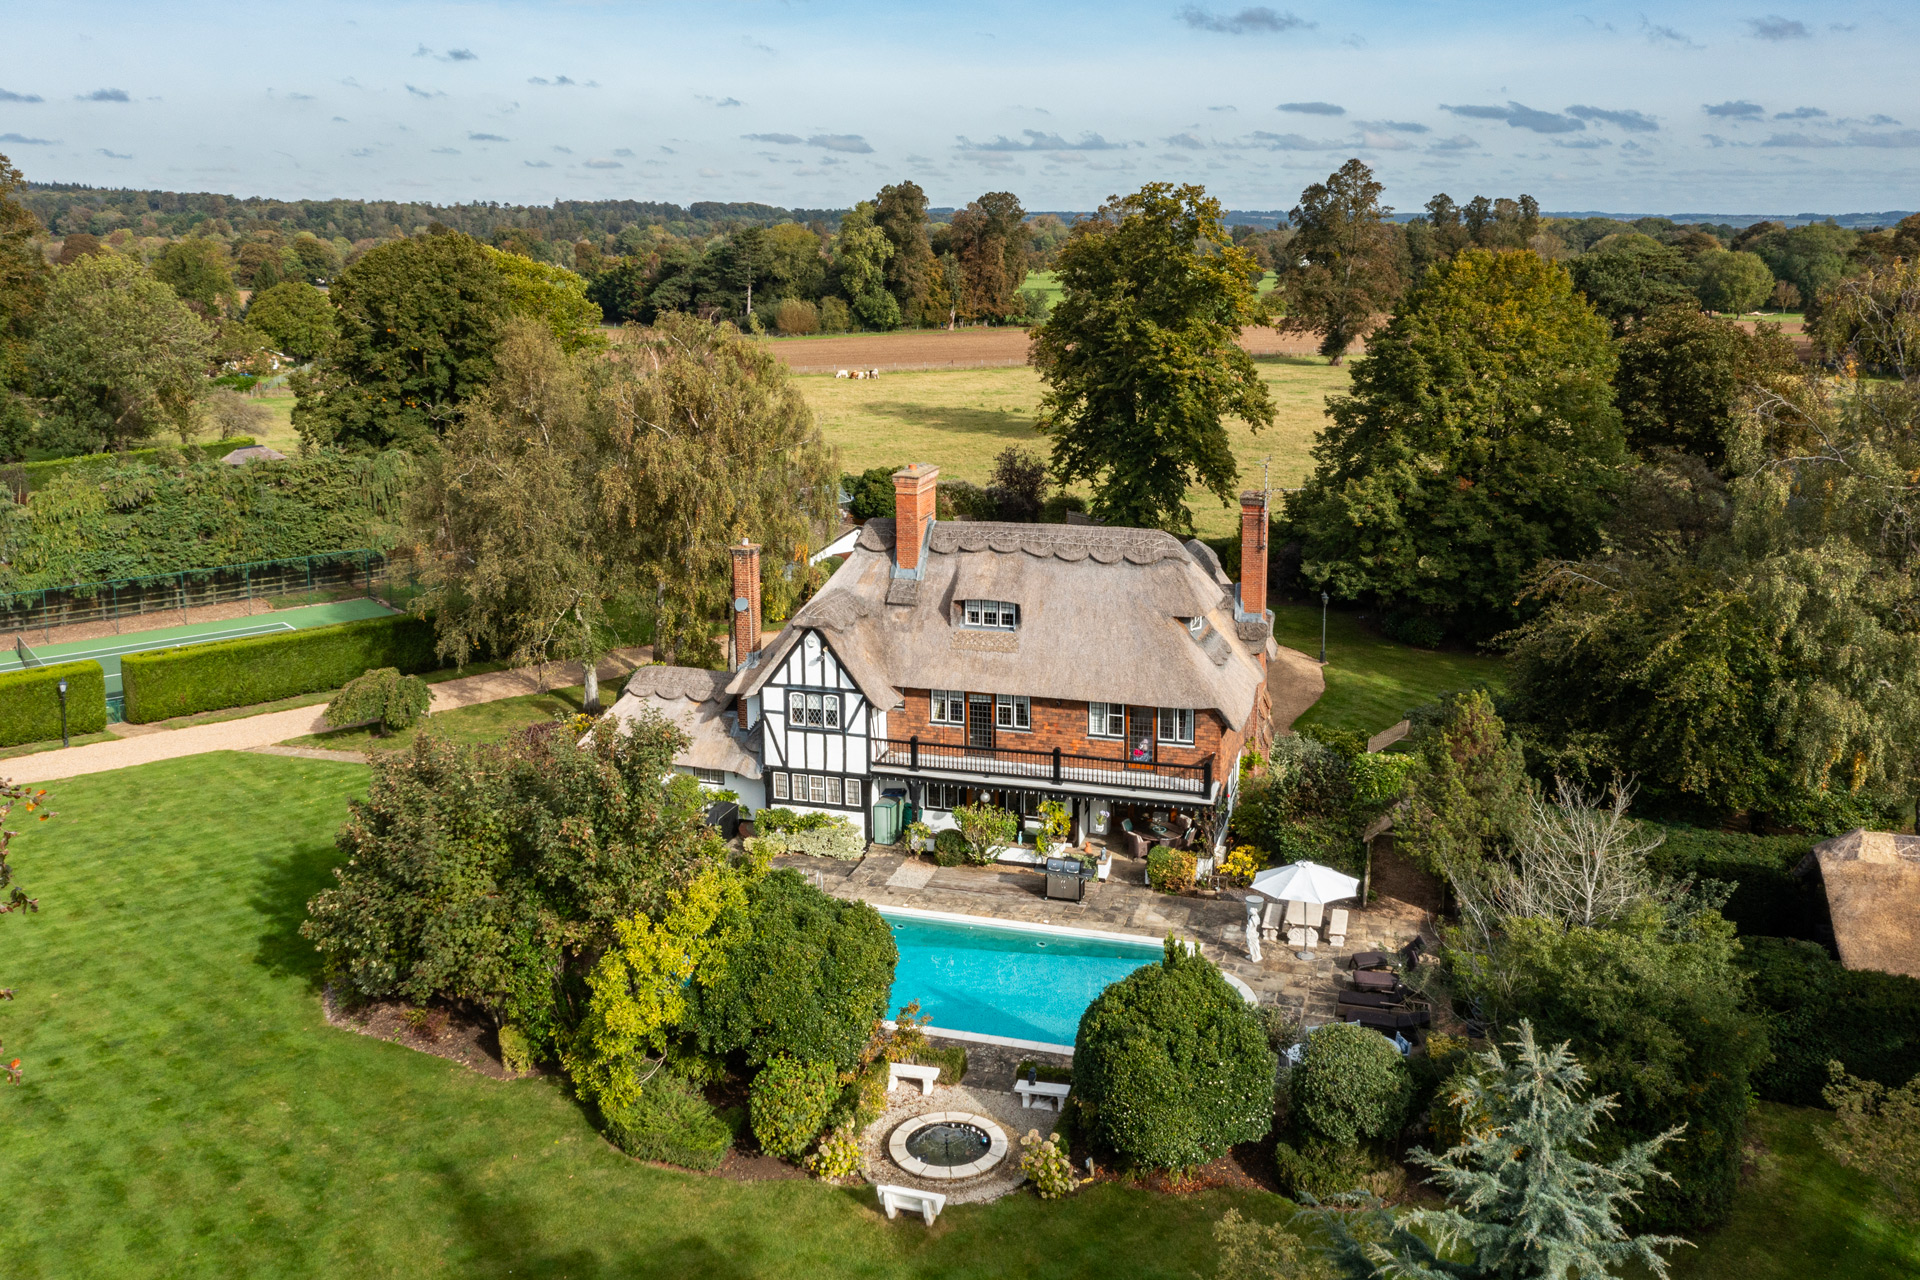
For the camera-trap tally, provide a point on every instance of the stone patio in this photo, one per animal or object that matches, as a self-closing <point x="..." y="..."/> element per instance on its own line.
<point x="1124" y="904"/>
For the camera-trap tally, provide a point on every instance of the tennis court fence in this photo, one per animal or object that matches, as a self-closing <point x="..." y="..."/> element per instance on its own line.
<point x="144" y="602"/>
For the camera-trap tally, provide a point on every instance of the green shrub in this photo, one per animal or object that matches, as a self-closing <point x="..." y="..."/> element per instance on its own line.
<point x="30" y="702"/>
<point x="1819" y="1011"/>
<point x="1045" y="1072"/>
<point x="1351" y="1084"/>
<point x="1170" y="870"/>
<point x="950" y="848"/>
<point x="39" y="474"/>
<point x="838" y="1156"/>
<point x="987" y="828"/>
<point x="1170" y="1066"/>
<point x="1767" y="899"/>
<point x="790" y="1099"/>
<point x="1047" y="1165"/>
<point x="516" y="1050"/>
<point x="863" y="1100"/>
<point x="828" y="837"/>
<point x="670" y="1122"/>
<point x="383" y="696"/>
<point x="1415" y="629"/>
<point x="950" y="1058"/>
<point x="782" y="821"/>
<point x="808" y="980"/>
<point x="238" y="673"/>
<point x="1314" y="1167"/>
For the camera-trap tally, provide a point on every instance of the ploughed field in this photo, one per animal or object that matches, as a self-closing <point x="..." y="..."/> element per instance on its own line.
<point x="914" y="349"/>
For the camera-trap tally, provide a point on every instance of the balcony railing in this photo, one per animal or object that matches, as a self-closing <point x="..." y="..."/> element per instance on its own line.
<point x="1055" y="766"/>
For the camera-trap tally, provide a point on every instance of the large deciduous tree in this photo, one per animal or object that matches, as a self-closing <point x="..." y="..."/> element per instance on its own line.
<point x="708" y="442"/>
<point x="419" y="320"/>
<point x="118" y="356"/>
<point x="989" y="242"/>
<point x="23" y="286"/>
<point x="1732" y="282"/>
<point x="1340" y="269"/>
<point x="1627" y="277"/>
<point x="1480" y="438"/>
<point x="1684" y="377"/>
<point x="196" y="269"/>
<point x="860" y="256"/>
<point x="296" y="316"/>
<point x="900" y="211"/>
<point x="1142" y="360"/>
<point x="1874" y="319"/>
<point x="553" y="296"/>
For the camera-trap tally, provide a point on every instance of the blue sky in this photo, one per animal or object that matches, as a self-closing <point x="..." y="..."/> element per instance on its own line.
<point x="1701" y="107"/>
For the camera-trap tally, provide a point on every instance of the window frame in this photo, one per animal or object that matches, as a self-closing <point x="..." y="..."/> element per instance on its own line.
<point x="1195" y="626"/>
<point x="1100" y="722"/>
<point x="1182" y="721"/>
<point x="851" y="787"/>
<point x="1005" y="615"/>
<point x="780" y="785"/>
<point x="719" y="778"/>
<point x="1013" y="712"/>
<point x="947" y="707"/>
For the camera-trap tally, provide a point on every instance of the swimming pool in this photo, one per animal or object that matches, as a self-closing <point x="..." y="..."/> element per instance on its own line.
<point x="1009" y="983"/>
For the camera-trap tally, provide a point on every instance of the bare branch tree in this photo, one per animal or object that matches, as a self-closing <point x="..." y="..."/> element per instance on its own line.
<point x="1577" y="859"/>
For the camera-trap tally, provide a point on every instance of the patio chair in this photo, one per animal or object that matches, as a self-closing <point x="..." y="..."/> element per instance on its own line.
<point x="1138" y="845"/>
<point x="1411" y="953"/>
<point x="1337" y="927"/>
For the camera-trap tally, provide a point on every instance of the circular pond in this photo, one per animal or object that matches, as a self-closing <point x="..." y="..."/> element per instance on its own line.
<point x="947" y="1145"/>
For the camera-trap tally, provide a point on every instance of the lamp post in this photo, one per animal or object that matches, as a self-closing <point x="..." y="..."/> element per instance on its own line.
<point x="1324" y="598"/>
<point x="63" y="712"/>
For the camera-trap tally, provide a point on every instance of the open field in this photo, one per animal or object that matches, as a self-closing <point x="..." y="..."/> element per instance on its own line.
<point x="188" y="1112"/>
<point x="279" y="433"/>
<point x="960" y="419"/>
<point x="1372" y="682"/>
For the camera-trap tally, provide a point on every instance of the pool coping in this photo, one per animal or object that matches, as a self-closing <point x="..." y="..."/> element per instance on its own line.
<point x="1028" y="926"/>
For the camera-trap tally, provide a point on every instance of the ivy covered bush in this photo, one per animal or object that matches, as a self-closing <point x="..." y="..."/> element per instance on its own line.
<point x="1351" y="1084"/>
<point x="807" y="979"/>
<point x="383" y="696"/>
<point x="790" y="1101"/>
<point x="1171" y="1067"/>
<point x="1818" y="1011"/>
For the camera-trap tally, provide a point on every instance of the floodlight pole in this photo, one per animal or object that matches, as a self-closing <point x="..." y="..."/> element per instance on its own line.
<point x="1324" y="598"/>
<point x="63" y="712"/>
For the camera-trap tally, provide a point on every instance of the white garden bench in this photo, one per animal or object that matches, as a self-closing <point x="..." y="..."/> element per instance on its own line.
<point x="1042" y="1093"/>
<point x="924" y="1076"/>
<point x="927" y="1204"/>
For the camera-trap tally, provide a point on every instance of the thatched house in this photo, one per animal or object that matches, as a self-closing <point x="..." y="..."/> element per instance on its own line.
<point x="1118" y="671"/>
<point x="1872" y="883"/>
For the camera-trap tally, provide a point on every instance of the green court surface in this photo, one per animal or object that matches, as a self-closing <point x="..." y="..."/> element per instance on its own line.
<point x="108" y="650"/>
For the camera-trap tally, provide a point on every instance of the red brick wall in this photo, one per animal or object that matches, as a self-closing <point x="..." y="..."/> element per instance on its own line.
<point x="1064" y="725"/>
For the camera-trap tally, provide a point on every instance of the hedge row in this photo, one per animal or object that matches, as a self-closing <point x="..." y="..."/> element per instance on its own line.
<point x="238" y="673"/>
<point x="1819" y="1011"/>
<point x="30" y="702"/>
<point x="38" y="474"/>
<point x="1767" y="900"/>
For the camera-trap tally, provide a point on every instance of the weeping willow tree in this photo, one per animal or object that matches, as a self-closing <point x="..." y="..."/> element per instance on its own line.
<point x="709" y="443"/>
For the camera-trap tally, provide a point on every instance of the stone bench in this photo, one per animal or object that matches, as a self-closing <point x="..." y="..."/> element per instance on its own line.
<point x="924" y="1076"/>
<point x="927" y="1204"/>
<point x="1042" y="1093"/>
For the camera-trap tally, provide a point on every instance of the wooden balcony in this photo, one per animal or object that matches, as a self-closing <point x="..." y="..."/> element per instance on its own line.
<point x="1050" y="767"/>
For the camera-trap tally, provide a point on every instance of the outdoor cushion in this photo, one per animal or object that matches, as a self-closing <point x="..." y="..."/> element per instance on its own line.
<point x="1368" y="960"/>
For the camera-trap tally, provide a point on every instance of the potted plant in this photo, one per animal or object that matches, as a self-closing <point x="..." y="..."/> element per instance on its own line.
<point x="919" y="837"/>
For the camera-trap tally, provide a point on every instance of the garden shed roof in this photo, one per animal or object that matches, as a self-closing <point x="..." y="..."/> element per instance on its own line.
<point x="698" y="702"/>
<point x="1102" y="618"/>
<point x="1872" y="881"/>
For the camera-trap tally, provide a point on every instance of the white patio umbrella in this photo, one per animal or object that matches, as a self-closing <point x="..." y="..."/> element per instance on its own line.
<point x="1305" y="882"/>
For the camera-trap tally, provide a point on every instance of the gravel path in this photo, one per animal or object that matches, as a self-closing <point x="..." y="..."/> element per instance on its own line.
<point x="252" y="732"/>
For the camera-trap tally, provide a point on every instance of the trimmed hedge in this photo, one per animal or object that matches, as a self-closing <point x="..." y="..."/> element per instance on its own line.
<point x="30" y="702"/>
<point x="38" y="475"/>
<point x="1767" y="900"/>
<point x="238" y="673"/>
<point x="670" y="1122"/>
<point x="1817" y="1010"/>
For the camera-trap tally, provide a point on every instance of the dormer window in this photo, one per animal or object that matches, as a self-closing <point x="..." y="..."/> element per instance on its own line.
<point x="993" y="615"/>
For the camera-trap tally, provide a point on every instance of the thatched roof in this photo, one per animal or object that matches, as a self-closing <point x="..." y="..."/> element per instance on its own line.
<point x="1102" y="618"/>
<point x="699" y="703"/>
<point x="1872" y="880"/>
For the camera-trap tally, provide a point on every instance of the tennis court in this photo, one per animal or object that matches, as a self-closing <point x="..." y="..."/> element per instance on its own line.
<point x="108" y="651"/>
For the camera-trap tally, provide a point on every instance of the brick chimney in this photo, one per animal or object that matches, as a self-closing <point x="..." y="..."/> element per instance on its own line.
<point x="745" y="632"/>
<point x="914" y="489"/>
<point x="1253" y="554"/>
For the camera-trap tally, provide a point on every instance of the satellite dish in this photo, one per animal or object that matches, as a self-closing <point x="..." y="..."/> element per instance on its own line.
<point x="740" y="604"/>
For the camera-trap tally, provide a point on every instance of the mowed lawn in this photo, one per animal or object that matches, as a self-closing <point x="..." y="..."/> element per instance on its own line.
<point x="960" y="419"/>
<point x="188" y="1112"/>
<point x="1372" y="682"/>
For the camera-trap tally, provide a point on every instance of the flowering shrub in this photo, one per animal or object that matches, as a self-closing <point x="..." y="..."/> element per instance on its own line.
<point x="1047" y="1165"/>
<point x="837" y="1156"/>
<point x="1170" y="870"/>
<point x="1242" y="863"/>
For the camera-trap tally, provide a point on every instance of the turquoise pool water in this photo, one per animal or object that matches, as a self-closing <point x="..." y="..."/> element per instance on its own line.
<point x="1006" y="982"/>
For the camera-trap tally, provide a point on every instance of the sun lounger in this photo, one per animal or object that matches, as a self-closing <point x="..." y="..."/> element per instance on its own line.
<point x="1368" y="960"/>
<point x="1375" y="980"/>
